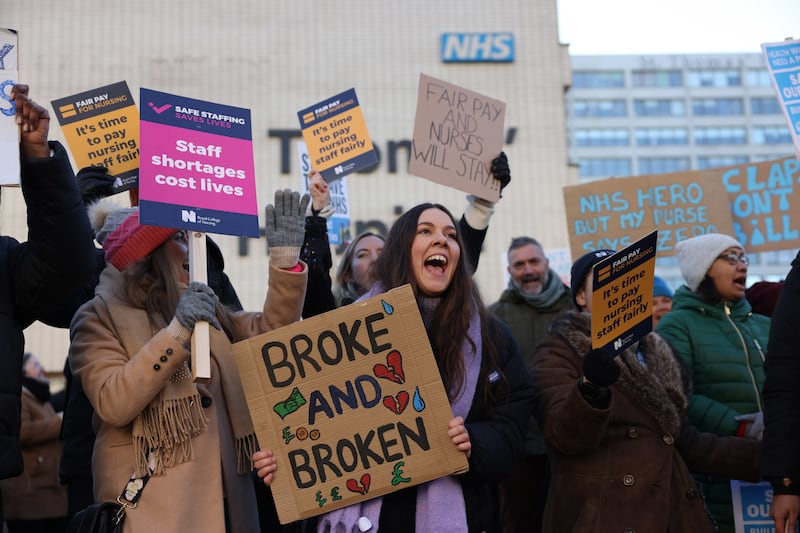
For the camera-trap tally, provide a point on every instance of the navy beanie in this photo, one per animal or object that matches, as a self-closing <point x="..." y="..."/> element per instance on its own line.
<point x="582" y="266"/>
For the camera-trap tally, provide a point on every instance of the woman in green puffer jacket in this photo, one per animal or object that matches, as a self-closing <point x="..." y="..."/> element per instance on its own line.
<point x="724" y="344"/>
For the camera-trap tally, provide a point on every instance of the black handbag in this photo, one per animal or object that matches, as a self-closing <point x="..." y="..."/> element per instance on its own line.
<point x="108" y="517"/>
<point x="104" y="517"/>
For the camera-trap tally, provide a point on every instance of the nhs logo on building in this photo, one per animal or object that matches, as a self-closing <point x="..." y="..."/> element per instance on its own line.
<point x="485" y="47"/>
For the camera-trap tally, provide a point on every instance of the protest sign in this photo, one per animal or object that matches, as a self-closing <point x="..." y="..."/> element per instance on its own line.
<point x="339" y="222"/>
<point x="783" y="63"/>
<point x="336" y="135"/>
<point x="751" y="503"/>
<point x="197" y="171"/>
<point x="9" y="130"/>
<point x="101" y="127"/>
<point x="765" y="203"/>
<point x="622" y="296"/>
<point x="351" y="404"/>
<point x="610" y="213"/>
<point x="457" y="134"/>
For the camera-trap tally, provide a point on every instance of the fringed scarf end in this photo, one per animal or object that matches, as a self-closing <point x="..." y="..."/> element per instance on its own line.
<point x="245" y="448"/>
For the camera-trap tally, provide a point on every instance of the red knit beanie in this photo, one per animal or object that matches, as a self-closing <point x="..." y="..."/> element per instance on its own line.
<point x="132" y="241"/>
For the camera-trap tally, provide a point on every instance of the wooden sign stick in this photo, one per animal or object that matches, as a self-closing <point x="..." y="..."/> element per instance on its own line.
<point x="198" y="271"/>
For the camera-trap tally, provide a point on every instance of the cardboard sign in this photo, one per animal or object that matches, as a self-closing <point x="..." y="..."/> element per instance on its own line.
<point x="336" y="136"/>
<point x="610" y="213"/>
<point x="457" y="133"/>
<point x="101" y="127"/>
<point x="622" y="296"/>
<point x="783" y="63"/>
<point x="751" y="503"/>
<point x="9" y="131"/>
<point x="339" y="222"/>
<point x="765" y="203"/>
<point x="197" y="171"/>
<point x="351" y="403"/>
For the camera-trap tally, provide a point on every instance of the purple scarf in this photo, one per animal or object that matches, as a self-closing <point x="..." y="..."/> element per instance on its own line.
<point x="440" y="503"/>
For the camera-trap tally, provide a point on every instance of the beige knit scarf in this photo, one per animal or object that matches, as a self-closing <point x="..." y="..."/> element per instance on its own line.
<point x="163" y="432"/>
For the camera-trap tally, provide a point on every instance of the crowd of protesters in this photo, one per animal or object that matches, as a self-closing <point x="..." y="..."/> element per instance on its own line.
<point x="558" y="435"/>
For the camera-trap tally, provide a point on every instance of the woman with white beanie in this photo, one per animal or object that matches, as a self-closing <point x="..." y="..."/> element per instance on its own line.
<point x="724" y="344"/>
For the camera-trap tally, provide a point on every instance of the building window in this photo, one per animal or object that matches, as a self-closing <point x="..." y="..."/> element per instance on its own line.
<point x="598" y="79"/>
<point x="716" y="161"/>
<point x="771" y="135"/>
<point x="717" y="106"/>
<point x="602" y="137"/>
<point x="777" y="258"/>
<point x="765" y="106"/>
<point x="720" y="136"/>
<point x="661" y="136"/>
<point x="758" y="78"/>
<point x="769" y="157"/>
<point x="715" y="78"/>
<point x="599" y="108"/>
<point x="604" y="168"/>
<point x="663" y="165"/>
<point x="656" y="78"/>
<point x="659" y="108"/>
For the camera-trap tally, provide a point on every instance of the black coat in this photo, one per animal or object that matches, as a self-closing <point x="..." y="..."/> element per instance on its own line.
<point x="781" y="393"/>
<point x="56" y="260"/>
<point x="496" y="423"/>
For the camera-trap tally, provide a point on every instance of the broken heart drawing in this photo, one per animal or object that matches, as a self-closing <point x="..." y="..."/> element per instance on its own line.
<point x="361" y="487"/>
<point x="396" y="404"/>
<point x="392" y="370"/>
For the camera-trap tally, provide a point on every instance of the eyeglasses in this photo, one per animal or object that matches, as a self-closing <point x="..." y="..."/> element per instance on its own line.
<point x="733" y="258"/>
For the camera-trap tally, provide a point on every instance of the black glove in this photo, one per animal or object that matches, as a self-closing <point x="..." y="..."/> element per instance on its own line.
<point x="501" y="171"/>
<point x="94" y="183"/>
<point x="600" y="368"/>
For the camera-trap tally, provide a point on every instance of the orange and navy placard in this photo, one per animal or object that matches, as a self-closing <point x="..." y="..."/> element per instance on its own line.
<point x="336" y="136"/>
<point x="622" y="295"/>
<point x="101" y="127"/>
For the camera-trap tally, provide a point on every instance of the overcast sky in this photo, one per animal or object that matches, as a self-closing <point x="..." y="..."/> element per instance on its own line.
<point x="675" y="26"/>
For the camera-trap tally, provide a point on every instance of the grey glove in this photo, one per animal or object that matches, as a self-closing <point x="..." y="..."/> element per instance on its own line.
<point x="198" y="303"/>
<point x="751" y="425"/>
<point x="285" y="227"/>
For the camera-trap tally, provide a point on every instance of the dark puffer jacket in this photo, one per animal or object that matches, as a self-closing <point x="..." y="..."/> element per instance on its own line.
<point x="56" y="260"/>
<point x="724" y="346"/>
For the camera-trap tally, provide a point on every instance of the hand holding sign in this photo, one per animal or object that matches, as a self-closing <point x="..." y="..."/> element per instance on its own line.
<point x="95" y="183"/>
<point x="198" y="303"/>
<point x="501" y="171"/>
<point x="600" y="368"/>
<point x="265" y="464"/>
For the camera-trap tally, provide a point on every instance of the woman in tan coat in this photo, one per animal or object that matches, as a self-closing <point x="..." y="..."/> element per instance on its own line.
<point x="35" y="500"/>
<point x="130" y="350"/>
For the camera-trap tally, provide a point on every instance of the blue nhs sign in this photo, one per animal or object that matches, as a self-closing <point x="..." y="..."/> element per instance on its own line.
<point x="487" y="47"/>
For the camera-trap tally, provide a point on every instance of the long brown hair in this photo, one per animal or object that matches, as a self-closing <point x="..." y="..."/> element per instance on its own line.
<point x="152" y="284"/>
<point x="345" y="291"/>
<point x="450" y="324"/>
